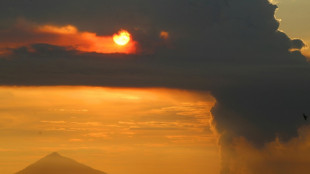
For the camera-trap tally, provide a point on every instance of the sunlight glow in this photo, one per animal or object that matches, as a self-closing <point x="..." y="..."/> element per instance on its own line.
<point x="122" y="37"/>
<point x="68" y="29"/>
<point x="164" y="35"/>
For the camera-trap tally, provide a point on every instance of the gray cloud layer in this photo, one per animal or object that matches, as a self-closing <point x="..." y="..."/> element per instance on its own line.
<point x="231" y="48"/>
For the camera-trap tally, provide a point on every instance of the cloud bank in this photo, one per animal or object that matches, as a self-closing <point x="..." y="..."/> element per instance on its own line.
<point x="231" y="48"/>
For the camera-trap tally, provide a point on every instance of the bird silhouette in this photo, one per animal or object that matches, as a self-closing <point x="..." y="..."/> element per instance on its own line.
<point x="305" y="116"/>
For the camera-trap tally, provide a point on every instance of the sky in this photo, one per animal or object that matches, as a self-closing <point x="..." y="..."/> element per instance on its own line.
<point x="293" y="14"/>
<point x="177" y="86"/>
<point x="156" y="130"/>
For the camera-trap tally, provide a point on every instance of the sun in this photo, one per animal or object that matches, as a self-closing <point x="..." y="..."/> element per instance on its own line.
<point x="122" y="37"/>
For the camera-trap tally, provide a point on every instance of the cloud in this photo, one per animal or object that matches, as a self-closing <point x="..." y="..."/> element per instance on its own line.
<point x="297" y="44"/>
<point x="274" y="157"/>
<point x="233" y="49"/>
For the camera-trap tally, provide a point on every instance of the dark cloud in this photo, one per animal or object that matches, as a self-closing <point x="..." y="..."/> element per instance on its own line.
<point x="297" y="44"/>
<point x="230" y="48"/>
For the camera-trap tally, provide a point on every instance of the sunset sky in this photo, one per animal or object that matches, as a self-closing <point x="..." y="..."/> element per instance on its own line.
<point x="170" y="87"/>
<point x="112" y="129"/>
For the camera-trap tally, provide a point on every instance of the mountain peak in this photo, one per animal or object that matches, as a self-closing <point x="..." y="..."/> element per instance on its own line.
<point x="54" y="154"/>
<point x="54" y="163"/>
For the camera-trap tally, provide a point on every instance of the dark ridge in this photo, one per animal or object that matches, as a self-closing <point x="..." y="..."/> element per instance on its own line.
<point x="54" y="163"/>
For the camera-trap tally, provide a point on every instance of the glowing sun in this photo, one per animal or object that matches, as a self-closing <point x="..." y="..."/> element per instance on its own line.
<point x="122" y="37"/>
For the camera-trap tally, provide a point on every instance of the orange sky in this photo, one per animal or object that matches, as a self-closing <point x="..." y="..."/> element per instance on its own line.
<point x="165" y="131"/>
<point x="66" y="36"/>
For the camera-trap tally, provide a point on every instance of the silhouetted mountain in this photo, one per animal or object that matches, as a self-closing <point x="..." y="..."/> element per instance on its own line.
<point x="57" y="164"/>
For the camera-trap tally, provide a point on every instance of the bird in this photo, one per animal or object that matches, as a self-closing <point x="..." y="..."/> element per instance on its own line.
<point x="305" y="116"/>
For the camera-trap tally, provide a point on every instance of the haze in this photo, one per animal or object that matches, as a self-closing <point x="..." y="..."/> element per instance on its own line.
<point x="114" y="130"/>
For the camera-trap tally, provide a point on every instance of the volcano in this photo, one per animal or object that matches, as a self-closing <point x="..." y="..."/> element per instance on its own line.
<point x="54" y="163"/>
